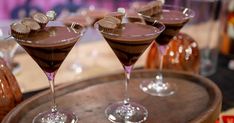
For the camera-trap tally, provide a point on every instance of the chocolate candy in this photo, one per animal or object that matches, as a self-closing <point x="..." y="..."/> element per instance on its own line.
<point x="152" y="8"/>
<point x="156" y="7"/>
<point x="112" y="19"/>
<point x="41" y="19"/>
<point x="32" y="24"/>
<point x="106" y="26"/>
<point x="19" y="30"/>
<point x="117" y="15"/>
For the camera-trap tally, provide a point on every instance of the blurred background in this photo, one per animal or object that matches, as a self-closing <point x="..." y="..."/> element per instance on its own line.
<point x="14" y="9"/>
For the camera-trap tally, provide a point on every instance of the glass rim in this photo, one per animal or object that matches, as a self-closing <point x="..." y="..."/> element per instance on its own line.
<point x="181" y="8"/>
<point x="175" y="7"/>
<point x="156" y="32"/>
<point x="79" y="34"/>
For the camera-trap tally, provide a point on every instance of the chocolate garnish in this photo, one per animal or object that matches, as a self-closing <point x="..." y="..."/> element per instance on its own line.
<point x="146" y="10"/>
<point x="152" y="8"/>
<point x="19" y="30"/>
<point x="106" y="26"/>
<point x="156" y="7"/>
<point x="113" y="19"/>
<point x="32" y="24"/>
<point x="118" y="15"/>
<point x="41" y="19"/>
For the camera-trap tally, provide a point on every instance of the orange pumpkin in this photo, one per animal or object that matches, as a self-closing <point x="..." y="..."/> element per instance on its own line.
<point x="10" y="94"/>
<point x="182" y="54"/>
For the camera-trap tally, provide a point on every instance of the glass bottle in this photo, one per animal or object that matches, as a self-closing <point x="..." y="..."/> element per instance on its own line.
<point x="227" y="45"/>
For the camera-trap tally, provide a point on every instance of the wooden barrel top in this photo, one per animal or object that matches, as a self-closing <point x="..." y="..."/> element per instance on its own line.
<point x="197" y="100"/>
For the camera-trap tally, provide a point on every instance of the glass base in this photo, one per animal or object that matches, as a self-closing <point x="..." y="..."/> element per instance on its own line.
<point x="161" y="89"/>
<point x="57" y="117"/>
<point x="130" y="113"/>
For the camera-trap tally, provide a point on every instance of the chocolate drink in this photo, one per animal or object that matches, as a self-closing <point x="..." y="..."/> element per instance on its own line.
<point x="50" y="46"/>
<point x="131" y="42"/>
<point x="174" y="20"/>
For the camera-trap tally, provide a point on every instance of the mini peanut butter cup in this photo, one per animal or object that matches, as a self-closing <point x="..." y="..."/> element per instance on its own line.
<point x="146" y="10"/>
<point x="41" y="19"/>
<point x="135" y="19"/>
<point x="156" y="7"/>
<point x="106" y="26"/>
<point x="19" y="30"/>
<point x="32" y="24"/>
<point x="113" y="19"/>
<point x="118" y="15"/>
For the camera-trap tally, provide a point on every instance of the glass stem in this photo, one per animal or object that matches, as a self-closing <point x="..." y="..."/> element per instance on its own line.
<point x="162" y="51"/>
<point x="127" y="70"/>
<point x="51" y="77"/>
<point x="161" y="62"/>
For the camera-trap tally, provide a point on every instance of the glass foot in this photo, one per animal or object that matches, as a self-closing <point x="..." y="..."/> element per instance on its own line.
<point x="130" y="113"/>
<point x="57" y="117"/>
<point x="158" y="88"/>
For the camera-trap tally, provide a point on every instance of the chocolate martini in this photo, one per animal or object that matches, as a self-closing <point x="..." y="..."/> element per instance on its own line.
<point x="50" y="47"/>
<point x="131" y="42"/>
<point x="128" y="41"/>
<point x="174" y="18"/>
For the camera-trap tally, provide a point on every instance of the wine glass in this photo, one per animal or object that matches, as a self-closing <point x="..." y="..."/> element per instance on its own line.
<point x="128" y="45"/>
<point x="49" y="47"/>
<point x="8" y="47"/>
<point x="174" y="18"/>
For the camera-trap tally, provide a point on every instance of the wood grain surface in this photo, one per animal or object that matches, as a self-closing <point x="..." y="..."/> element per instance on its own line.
<point x="197" y="100"/>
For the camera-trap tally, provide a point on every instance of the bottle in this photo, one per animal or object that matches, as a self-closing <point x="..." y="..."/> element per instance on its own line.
<point x="10" y="94"/>
<point x="227" y="45"/>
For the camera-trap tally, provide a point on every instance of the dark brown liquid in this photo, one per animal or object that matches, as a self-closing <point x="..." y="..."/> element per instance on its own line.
<point x="131" y="43"/>
<point x="50" y="47"/>
<point x="173" y="20"/>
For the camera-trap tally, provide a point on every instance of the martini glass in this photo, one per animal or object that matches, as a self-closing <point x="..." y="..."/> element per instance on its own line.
<point x="8" y="47"/>
<point x="128" y="42"/>
<point x="49" y="48"/>
<point x="174" y="18"/>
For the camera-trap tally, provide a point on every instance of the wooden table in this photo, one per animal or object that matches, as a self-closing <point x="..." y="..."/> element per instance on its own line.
<point x="197" y="100"/>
